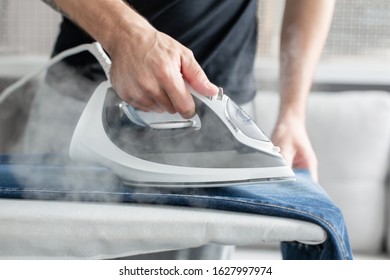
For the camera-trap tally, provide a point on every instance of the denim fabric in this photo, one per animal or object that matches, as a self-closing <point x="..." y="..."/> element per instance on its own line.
<point x="53" y="177"/>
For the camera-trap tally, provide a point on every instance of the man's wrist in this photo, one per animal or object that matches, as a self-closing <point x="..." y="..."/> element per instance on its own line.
<point x="129" y="26"/>
<point x="292" y="114"/>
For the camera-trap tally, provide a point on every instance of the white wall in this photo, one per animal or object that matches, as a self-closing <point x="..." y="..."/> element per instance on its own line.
<point x="28" y="27"/>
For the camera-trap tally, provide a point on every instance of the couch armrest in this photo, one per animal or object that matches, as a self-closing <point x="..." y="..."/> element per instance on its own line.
<point x="350" y="132"/>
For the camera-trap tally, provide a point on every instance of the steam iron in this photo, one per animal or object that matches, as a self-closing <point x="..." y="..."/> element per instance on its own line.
<point x="220" y="146"/>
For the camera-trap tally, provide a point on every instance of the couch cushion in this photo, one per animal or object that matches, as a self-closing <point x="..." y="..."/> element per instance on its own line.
<point x="350" y="132"/>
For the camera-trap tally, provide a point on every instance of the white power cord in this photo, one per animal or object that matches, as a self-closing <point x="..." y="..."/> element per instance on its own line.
<point x="95" y="49"/>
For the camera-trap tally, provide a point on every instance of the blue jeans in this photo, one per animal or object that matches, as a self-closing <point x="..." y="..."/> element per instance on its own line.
<point x="53" y="177"/>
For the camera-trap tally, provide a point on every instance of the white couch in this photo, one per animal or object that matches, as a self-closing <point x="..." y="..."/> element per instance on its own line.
<point x="350" y="132"/>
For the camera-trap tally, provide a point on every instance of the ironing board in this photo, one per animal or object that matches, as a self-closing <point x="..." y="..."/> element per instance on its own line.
<point x="52" y="208"/>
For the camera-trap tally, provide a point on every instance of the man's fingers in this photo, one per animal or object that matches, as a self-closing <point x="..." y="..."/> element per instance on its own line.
<point x="138" y="106"/>
<point x="195" y="75"/>
<point x="288" y="155"/>
<point x="180" y="96"/>
<point x="159" y="96"/>
<point x="168" y="75"/>
<point x="147" y="95"/>
<point x="309" y="162"/>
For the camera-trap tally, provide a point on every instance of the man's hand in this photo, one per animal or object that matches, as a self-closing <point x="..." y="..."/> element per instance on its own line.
<point x="149" y="68"/>
<point x="295" y="146"/>
<point x="149" y="74"/>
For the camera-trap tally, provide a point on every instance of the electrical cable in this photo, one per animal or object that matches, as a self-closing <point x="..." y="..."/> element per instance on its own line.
<point x="95" y="49"/>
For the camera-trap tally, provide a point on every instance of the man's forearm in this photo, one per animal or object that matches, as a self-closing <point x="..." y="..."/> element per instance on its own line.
<point x="149" y="68"/>
<point x="104" y="20"/>
<point x="304" y="31"/>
